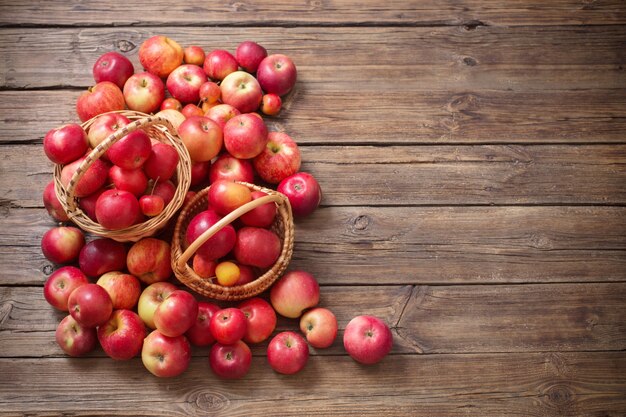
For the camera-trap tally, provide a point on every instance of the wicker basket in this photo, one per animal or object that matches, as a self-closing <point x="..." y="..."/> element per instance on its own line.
<point x="157" y="128"/>
<point x="283" y="226"/>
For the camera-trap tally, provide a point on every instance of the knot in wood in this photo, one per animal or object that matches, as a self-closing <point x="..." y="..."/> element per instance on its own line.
<point x="125" y="45"/>
<point x="210" y="401"/>
<point x="469" y="61"/>
<point x="540" y="241"/>
<point x="462" y="102"/>
<point x="361" y="222"/>
<point x="560" y="395"/>
<point x="47" y="269"/>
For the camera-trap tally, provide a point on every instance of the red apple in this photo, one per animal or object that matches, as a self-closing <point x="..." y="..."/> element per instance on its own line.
<point x="65" y="144"/>
<point x="101" y="256"/>
<point x="230" y="361"/>
<point x="210" y="92"/>
<point x="277" y="74"/>
<point x="132" y="180"/>
<point x="88" y="203"/>
<point x="162" y="162"/>
<point x="225" y="196"/>
<point x="176" y="314"/>
<point x="271" y="104"/>
<point x="217" y="245"/>
<point x="303" y="191"/>
<point x="245" y="136"/>
<point x="151" y="297"/>
<point x="117" y="209"/>
<point x="193" y="55"/>
<point x="149" y="260"/>
<point x="199" y="172"/>
<point x="246" y="274"/>
<point x="75" y="339"/>
<point x="320" y="327"/>
<point x="261" y="319"/>
<point x="94" y="178"/>
<point x="279" y="160"/>
<point x="165" y="356"/>
<point x="262" y="216"/>
<point x="121" y="337"/>
<point x="199" y="334"/>
<point x="184" y="83"/>
<point x="151" y="205"/>
<point x="131" y="151"/>
<point x="249" y="55"/>
<point x="204" y="267"/>
<point x="257" y="246"/>
<point x="242" y="91"/>
<point x="202" y="138"/>
<point x="53" y="205"/>
<point x="101" y="98"/>
<point x="367" y="339"/>
<point x="227" y="167"/>
<point x="191" y="110"/>
<point x="166" y="190"/>
<point x="228" y="325"/>
<point x="160" y="55"/>
<point x="287" y="353"/>
<point x="124" y="289"/>
<point x="144" y="92"/>
<point x="114" y="67"/>
<point x="60" y="285"/>
<point x="221" y="114"/>
<point x="90" y="305"/>
<point x="62" y="244"/>
<point x="104" y="126"/>
<point x="294" y="292"/>
<point x="171" y="103"/>
<point x="219" y="63"/>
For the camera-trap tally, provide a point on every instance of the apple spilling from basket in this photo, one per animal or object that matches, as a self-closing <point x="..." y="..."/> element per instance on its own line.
<point x="122" y="295"/>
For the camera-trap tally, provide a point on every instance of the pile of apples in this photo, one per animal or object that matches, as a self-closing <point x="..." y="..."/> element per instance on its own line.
<point x="122" y="296"/>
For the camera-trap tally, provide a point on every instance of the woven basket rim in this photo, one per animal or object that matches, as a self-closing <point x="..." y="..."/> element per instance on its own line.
<point x="158" y="128"/>
<point x="204" y="286"/>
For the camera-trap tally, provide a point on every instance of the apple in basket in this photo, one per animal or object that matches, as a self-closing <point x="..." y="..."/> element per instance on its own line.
<point x="217" y="245"/>
<point x="257" y="247"/>
<point x="225" y="196"/>
<point x="262" y="216"/>
<point x="162" y="162"/>
<point x="94" y="178"/>
<point x="105" y="125"/>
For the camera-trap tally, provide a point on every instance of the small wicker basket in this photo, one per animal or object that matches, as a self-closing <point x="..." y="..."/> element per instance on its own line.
<point x="283" y="226"/>
<point x="158" y="128"/>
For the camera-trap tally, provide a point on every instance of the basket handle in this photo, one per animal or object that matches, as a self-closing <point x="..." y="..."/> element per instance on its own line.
<point x="102" y="147"/>
<point x="224" y="221"/>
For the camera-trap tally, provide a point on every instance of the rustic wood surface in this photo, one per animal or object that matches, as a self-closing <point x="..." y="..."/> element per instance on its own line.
<point x="473" y="160"/>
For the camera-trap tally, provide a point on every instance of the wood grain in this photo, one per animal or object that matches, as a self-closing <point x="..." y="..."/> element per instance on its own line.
<point x="304" y="13"/>
<point x="440" y="245"/>
<point x="428" y="175"/>
<point x="425" y="319"/>
<point x="540" y="384"/>
<point x="448" y="59"/>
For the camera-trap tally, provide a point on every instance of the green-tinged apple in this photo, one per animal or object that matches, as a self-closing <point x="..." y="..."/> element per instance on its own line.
<point x="165" y="356"/>
<point x="121" y="337"/>
<point x="60" y="285"/>
<point x="279" y="160"/>
<point x="287" y="353"/>
<point x="62" y="244"/>
<point x="320" y="327"/>
<point x="242" y="91"/>
<point x="65" y="144"/>
<point x="90" y="305"/>
<point x="150" y="298"/>
<point x="160" y="55"/>
<point x="149" y="260"/>
<point x="75" y="339"/>
<point x="144" y="92"/>
<point x="367" y="339"/>
<point x="103" y="97"/>
<point x="124" y="289"/>
<point x="295" y="292"/>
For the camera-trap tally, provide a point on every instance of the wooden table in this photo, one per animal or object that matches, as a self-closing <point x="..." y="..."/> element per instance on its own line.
<point x="473" y="160"/>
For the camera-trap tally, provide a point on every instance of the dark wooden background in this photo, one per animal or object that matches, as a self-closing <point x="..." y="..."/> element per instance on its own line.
<point x="473" y="160"/>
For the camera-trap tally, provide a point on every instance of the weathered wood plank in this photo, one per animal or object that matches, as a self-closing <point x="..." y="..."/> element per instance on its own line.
<point x="383" y="117"/>
<point x="369" y="12"/>
<point x="542" y="384"/>
<point x="414" y="59"/>
<point x="424" y="175"/>
<point x="436" y="319"/>
<point x="354" y="245"/>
